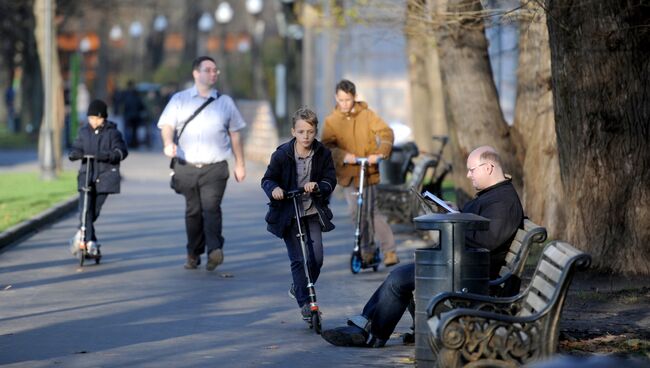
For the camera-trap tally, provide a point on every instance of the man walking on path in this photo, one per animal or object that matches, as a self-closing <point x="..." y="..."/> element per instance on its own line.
<point x="210" y="123"/>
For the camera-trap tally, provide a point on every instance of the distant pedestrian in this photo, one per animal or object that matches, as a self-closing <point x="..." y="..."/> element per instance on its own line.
<point x="101" y="139"/>
<point x="353" y="130"/>
<point x="201" y="172"/>
<point x="132" y="111"/>
<point x="303" y="162"/>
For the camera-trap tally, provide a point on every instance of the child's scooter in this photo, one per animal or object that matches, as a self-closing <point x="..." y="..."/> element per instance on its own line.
<point x="86" y="249"/>
<point x="357" y="260"/>
<point x="315" y="320"/>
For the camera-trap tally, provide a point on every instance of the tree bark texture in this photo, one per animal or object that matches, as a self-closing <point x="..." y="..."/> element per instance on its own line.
<point x="57" y="104"/>
<point x="474" y="116"/>
<point x="601" y="81"/>
<point x="533" y="131"/>
<point x="427" y="102"/>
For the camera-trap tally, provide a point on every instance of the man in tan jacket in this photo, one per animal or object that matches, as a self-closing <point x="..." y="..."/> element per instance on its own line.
<point x="352" y="130"/>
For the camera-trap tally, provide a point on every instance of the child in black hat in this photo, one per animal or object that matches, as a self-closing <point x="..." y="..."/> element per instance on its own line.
<point x="101" y="147"/>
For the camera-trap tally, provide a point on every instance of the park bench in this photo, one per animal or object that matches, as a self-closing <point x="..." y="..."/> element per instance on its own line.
<point x="397" y="202"/>
<point x="482" y="331"/>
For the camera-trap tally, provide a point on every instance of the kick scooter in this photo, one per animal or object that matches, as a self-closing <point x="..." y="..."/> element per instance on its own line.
<point x="315" y="320"/>
<point x="85" y="251"/>
<point x="357" y="262"/>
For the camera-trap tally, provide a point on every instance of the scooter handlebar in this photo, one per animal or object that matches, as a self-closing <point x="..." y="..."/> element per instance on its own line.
<point x="363" y="161"/>
<point x="294" y="193"/>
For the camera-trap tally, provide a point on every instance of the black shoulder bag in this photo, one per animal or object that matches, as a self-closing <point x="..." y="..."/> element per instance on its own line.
<point x="174" y="160"/>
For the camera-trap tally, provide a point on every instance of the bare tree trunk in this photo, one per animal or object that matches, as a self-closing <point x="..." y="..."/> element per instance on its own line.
<point x="57" y="103"/>
<point x="474" y="115"/>
<point x="427" y="102"/>
<point x="533" y="130"/>
<point x="601" y="78"/>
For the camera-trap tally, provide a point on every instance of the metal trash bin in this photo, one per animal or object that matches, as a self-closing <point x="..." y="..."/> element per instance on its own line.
<point x="450" y="267"/>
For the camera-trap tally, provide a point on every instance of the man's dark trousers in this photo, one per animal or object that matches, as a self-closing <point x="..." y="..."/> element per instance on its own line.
<point x="387" y="305"/>
<point x="203" y="189"/>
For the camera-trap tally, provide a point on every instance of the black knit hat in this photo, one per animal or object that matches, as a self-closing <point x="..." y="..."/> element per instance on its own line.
<point x="97" y="108"/>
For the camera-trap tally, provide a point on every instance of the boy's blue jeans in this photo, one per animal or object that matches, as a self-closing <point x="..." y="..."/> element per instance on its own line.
<point x="314" y="244"/>
<point x="387" y="305"/>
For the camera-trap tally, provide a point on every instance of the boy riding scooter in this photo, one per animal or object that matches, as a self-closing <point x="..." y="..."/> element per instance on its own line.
<point x="101" y="148"/>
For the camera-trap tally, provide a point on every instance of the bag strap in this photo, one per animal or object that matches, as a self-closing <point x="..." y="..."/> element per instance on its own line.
<point x="206" y="103"/>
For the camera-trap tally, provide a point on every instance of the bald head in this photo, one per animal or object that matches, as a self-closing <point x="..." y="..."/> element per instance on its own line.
<point x="484" y="167"/>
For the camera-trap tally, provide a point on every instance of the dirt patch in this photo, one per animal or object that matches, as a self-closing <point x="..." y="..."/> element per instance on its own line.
<point x="606" y="314"/>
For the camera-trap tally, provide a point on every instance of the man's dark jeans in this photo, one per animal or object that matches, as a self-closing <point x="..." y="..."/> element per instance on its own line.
<point x="313" y="241"/>
<point x="203" y="190"/>
<point x="387" y="305"/>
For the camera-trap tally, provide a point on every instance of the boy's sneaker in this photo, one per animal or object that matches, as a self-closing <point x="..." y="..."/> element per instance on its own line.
<point x="215" y="258"/>
<point x="292" y="292"/>
<point x="74" y="243"/>
<point x="93" y="248"/>
<point x="305" y="312"/>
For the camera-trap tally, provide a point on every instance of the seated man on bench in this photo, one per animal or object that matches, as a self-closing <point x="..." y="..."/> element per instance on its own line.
<point x="496" y="200"/>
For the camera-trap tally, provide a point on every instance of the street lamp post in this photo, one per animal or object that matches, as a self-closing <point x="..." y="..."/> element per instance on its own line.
<point x="223" y="15"/>
<point x="254" y="8"/>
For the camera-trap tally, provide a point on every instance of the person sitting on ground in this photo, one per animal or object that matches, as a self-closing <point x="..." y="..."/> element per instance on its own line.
<point x="496" y="200"/>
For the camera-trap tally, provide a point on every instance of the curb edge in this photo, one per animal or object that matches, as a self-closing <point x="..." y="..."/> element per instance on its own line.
<point x="28" y="227"/>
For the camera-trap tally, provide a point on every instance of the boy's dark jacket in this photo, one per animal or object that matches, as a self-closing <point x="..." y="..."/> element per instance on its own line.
<point x="108" y="147"/>
<point x="282" y="172"/>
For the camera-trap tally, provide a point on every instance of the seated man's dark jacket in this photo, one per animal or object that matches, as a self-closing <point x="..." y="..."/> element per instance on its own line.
<point x="500" y="204"/>
<point x="281" y="172"/>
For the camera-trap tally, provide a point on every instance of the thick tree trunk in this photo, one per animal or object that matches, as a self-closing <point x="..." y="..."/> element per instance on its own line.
<point x="427" y="102"/>
<point x="601" y="77"/>
<point x="474" y="116"/>
<point x="533" y="131"/>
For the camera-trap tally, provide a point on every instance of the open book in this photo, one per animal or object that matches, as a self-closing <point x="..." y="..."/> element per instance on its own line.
<point x="439" y="202"/>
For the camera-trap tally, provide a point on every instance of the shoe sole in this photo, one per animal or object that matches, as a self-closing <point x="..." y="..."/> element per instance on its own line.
<point x="338" y="339"/>
<point x="214" y="259"/>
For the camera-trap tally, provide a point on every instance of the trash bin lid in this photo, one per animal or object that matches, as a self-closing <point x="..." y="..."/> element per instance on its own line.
<point x="469" y="220"/>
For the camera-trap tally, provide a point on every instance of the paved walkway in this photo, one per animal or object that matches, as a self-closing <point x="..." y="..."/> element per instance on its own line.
<point x="141" y="308"/>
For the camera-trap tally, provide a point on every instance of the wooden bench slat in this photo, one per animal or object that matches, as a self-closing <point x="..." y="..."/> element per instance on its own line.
<point x="544" y="287"/>
<point x="567" y="248"/>
<point x="535" y="303"/>
<point x="520" y="235"/>
<point x="550" y="271"/>
<point x="557" y="256"/>
<point x="515" y="246"/>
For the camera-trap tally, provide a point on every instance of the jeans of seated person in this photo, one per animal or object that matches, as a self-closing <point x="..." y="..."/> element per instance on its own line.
<point x="387" y="305"/>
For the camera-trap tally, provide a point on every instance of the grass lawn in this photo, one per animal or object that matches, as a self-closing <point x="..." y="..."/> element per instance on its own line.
<point x="24" y="194"/>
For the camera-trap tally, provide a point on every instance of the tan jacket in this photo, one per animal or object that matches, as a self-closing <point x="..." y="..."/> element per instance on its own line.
<point x="360" y="132"/>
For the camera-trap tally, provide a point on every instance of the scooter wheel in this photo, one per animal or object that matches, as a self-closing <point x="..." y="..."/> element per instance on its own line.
<point x="315" y="321"/>
<point x="375" y="268"/>
<point x="355" y="263"/>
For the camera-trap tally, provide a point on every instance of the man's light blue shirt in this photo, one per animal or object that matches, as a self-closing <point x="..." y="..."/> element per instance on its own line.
<point x="205" y="140"/>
